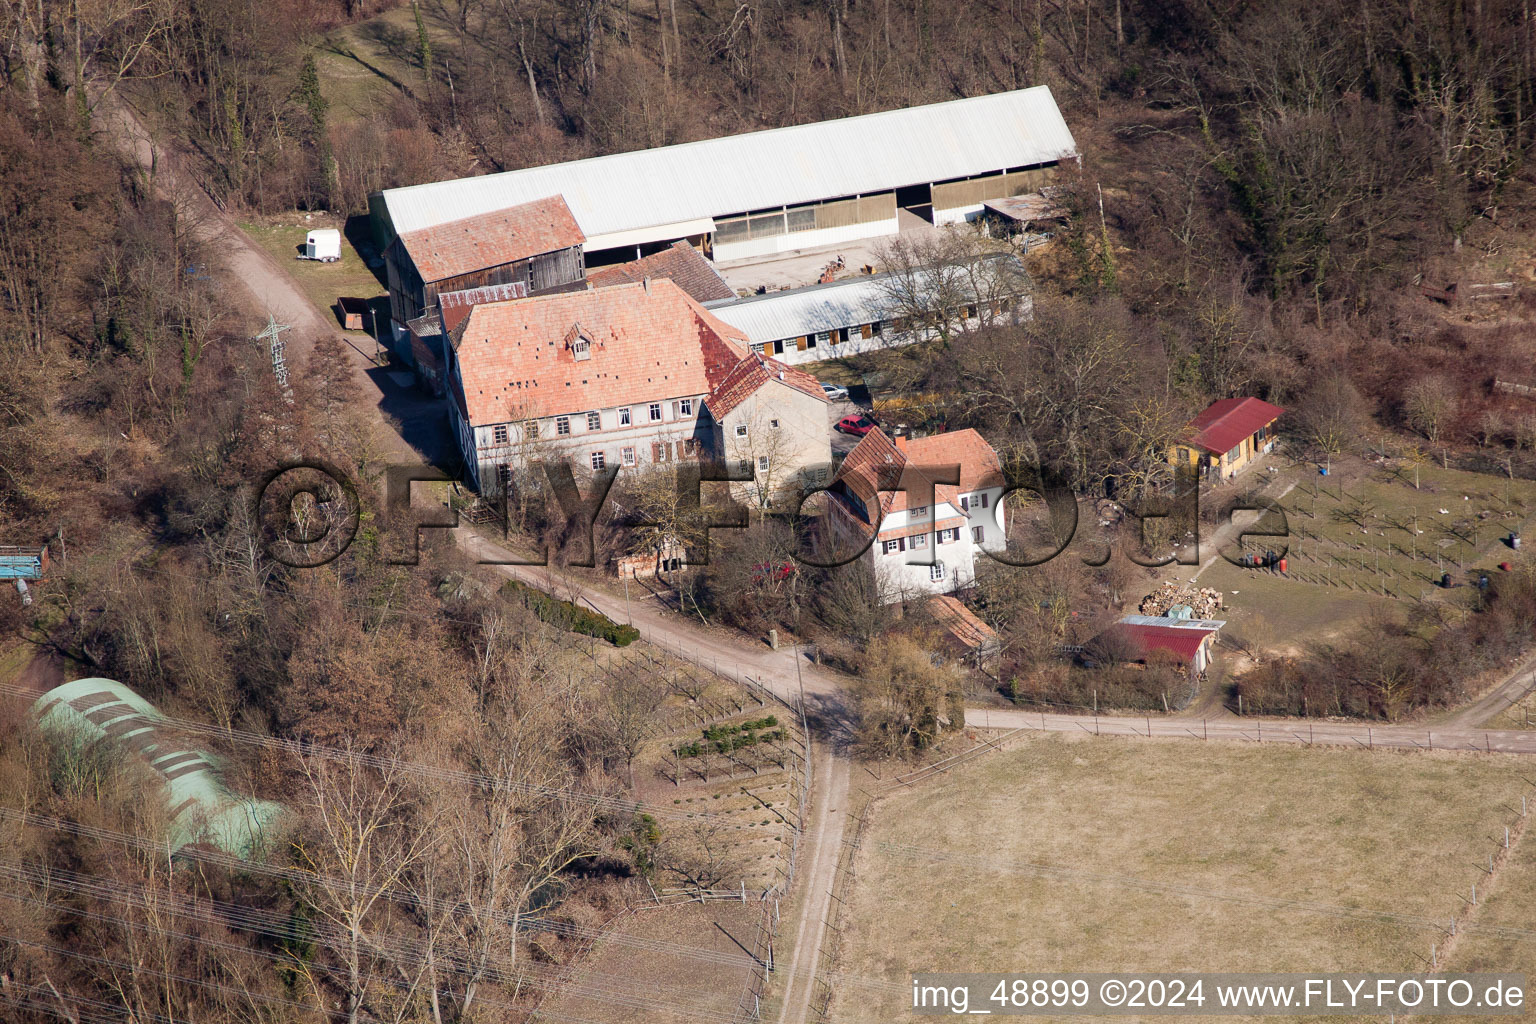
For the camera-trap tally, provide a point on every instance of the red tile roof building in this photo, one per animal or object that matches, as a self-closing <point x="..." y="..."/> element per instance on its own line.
<point x="965" y="631"/>
<point x="747" y="376"/>
<point x="679" y="262"/>
<point x="617" y="376"/>
<point x="771" y="422"/>
<point x="506" y="236"/>
<point x="536" y="245"/>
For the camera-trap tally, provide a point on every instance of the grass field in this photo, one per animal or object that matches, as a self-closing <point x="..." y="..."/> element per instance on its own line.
<point x="1365" y="539"/>
<point x="1500" y="935"/>
<point x="1080" y="854"/>
<point x="1380" y="534"/>
<point x="323" y="283"/>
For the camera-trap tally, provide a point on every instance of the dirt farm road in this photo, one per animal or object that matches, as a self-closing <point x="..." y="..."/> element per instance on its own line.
<point x="1261" y="730"/>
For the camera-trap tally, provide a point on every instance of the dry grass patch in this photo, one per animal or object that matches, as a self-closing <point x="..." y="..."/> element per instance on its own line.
<point x="1095" y="855"/>
<point x="620" y="981"/>
<point x="1502" y="936"/>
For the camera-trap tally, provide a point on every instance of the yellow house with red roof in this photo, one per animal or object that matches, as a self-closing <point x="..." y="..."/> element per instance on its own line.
<point x="1227" y="436"/>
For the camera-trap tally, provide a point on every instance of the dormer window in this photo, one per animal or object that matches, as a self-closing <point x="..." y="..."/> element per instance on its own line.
<point x="581" y="348"/>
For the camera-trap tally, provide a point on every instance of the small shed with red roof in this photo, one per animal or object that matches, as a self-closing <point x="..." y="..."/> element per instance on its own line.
<point x="1228" y="435"/>
<point x="1139" y="638"/>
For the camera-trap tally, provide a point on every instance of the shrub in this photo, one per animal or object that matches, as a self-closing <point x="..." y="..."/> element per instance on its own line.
<point x="569" y="615"/>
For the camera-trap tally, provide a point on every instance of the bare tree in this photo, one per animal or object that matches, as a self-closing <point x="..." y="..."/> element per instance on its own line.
<point x="361" y="837"/>
<point x="1428" y="403"/>
<point x="950" y="284"/>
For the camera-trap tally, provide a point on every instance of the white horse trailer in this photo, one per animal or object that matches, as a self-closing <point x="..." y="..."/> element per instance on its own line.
<point x="323" y="244"/>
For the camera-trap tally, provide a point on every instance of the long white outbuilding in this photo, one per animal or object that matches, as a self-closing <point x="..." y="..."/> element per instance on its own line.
<point x="758" y="193"/>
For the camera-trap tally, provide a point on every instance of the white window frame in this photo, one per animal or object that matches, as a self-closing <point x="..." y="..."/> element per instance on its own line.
<point x="919" y="512"/>
<point x="763" y="464"/>
<point x="919" y="541"/>
<point x="625" y="416"/>
<point x="627" y="456"/>
<point x="741" y="430"/>
<point x="774" y="423"/>
<point x="936" y="572"/>
<point x="685" y="407"/>
<point x="655" y="408"/>
<point x="581" y="348"/>
<point x="890" y="547"/>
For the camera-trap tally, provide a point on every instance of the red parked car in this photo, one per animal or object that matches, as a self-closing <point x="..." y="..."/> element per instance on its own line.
<point x="858" y="426"/>
<point x="763" y="571"/>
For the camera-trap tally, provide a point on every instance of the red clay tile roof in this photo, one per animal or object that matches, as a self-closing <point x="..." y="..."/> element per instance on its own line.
<point x="647" y="345"/>
<point x="681" y="263"/>
<point x="960" y="622"/>
<point x="455" y="306"/>
<point x="1225" y="423"/>
<point x="978" y="462"/>
<point x="752" y="373"/>
<point x="880" y="465"/>
<point x="506" y="236"/>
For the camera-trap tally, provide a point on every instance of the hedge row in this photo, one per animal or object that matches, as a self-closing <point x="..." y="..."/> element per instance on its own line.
<point x="722" y="739"/>
<point x="568" y="615"/>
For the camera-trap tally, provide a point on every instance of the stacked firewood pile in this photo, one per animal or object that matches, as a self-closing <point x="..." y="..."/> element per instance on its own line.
<point x="1204" y="601"/>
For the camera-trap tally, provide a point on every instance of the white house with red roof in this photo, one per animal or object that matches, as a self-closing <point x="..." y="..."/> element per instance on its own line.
<point x="612" y="377"/>
<point x="921" y="510"/>
<point x="1228" y="435"/>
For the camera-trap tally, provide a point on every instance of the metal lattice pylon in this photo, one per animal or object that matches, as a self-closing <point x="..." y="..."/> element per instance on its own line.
<point x="271" y="334"/>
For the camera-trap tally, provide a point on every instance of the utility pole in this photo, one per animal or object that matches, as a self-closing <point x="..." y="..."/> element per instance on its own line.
<point x="272" y="335"/>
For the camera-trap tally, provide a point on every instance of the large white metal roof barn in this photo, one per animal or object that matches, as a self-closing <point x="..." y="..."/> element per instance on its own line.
<point x="808" y="184"/>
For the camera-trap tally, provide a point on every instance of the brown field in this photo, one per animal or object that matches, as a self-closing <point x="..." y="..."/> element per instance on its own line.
<point x="1079" y="854"/>
<point x="672" y="987"/>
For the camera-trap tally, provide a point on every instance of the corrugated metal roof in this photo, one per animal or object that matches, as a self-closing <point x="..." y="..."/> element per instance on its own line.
<point x="1225" y="422"/>
<point x="202" y="809"/>
<point x="820" y="307"/>
<point x="776" y="316"/>
<point x="777" y="167"/>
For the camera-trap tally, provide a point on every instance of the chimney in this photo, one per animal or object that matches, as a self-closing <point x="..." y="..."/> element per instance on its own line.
<point x="645" y="283"/>
<point x="901" y="442"/>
